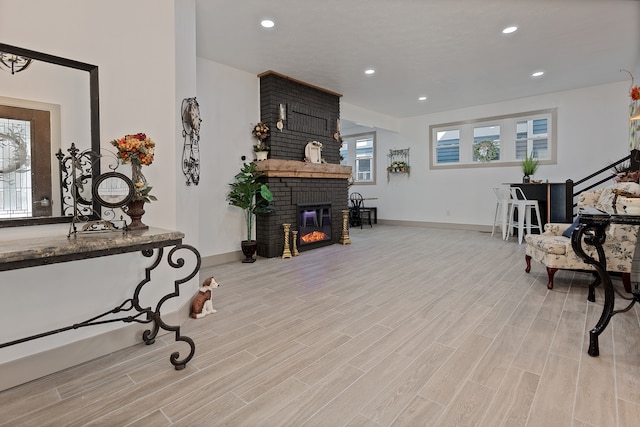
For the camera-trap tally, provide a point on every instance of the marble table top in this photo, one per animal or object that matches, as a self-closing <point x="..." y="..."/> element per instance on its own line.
<point x="53" y="245"/>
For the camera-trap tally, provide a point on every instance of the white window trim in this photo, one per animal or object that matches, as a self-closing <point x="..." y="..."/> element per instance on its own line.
<point x="352" y="157"/>
<point x="507" y="139"/>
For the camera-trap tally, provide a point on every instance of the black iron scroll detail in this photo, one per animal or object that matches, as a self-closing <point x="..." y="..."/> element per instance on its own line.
<point x="593" y="230"/>
<point x="144" y="315"/>
<point x="149" y="335"/>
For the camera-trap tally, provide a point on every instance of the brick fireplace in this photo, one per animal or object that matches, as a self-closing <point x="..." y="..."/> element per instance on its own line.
<point x="310" y="114"/>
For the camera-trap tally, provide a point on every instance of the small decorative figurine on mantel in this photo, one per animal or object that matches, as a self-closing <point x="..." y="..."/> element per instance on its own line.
<point x="202" y="303"/>
<point x="313" y="152"/>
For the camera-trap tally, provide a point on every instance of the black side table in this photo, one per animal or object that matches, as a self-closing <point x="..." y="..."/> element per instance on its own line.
<point x="593" y="224"/>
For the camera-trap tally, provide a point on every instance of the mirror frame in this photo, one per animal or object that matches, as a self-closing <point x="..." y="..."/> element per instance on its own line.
<point x="124" y="201"/>
<point x="94" y="117"/>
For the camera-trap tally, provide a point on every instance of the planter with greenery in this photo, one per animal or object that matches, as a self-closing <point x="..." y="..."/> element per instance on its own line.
<point x="529" y="167"/>
<point x="254" y="198"/>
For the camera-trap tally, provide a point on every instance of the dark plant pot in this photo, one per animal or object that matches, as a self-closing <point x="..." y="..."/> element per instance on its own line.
<point x="135" y="209"/>
<point x="526" y="179"/>
<point x="248" y="249"/>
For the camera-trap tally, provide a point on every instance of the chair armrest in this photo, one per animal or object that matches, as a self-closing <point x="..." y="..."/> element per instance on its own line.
<point x="555" y="228"/>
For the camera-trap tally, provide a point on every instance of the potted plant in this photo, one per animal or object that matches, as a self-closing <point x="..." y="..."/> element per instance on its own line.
<point x="262" y="150"/>
<point x="253" y="197"/>
<point x="260" y="132"/>
<point x="529" y="167"/>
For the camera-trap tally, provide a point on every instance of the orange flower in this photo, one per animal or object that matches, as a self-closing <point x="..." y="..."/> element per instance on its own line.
<point x="635" y="93"/>
<point x="138" y="148"/>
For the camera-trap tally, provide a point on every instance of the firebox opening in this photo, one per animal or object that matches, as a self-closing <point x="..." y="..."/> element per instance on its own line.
<point x="314" y="225"/>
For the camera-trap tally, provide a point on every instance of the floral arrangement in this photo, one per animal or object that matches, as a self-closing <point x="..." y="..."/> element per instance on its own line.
<point x="260" y="146"/>
<point x="398" y="167"/>
<point x="260" y="131"/>
<point x="138" y="148"/>
<point x="486" y="150"/>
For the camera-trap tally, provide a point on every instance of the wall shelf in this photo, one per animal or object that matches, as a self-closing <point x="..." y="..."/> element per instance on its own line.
<point x="398" y="162"/>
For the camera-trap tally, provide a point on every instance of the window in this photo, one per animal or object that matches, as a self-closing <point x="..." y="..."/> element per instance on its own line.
<point x="448" y="146"/>
<point x="513" y="138"/>
<point x="358" y="151"/>
<point x="25" y="166"/>
<point x="486" y="133"/>
<point x="532" y="139"/>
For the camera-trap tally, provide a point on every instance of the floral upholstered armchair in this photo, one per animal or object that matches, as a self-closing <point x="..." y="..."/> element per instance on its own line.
<point x="553" y="248"/>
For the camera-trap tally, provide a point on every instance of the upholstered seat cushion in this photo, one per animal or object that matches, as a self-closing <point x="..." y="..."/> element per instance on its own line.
<point x="556" y="245"/>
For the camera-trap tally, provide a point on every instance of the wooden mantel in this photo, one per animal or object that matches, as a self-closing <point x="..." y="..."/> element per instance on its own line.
<point x="297" y="169"/>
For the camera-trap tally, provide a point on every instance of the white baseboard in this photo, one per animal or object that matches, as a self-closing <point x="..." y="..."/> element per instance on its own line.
<point x="213" y="260"/>
<point x="47" y="362"/>
<point x="447" y="225"/>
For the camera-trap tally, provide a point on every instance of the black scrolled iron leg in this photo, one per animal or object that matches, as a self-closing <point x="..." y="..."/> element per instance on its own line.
<point x="607" y="312"/>
<point x="594" y="235"/>
<point x="178" y="262"/>
<point x="592" y="287"/>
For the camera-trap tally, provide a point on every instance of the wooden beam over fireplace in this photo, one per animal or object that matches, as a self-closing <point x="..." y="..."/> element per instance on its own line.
<point x="298" y="169"/>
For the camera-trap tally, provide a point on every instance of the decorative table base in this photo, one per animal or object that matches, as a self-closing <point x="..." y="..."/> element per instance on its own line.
<point x="129" y="243"/>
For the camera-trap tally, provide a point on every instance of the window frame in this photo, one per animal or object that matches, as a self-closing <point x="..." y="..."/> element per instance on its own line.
<point x="507" y="139"/>
<point x="351" y="159"/>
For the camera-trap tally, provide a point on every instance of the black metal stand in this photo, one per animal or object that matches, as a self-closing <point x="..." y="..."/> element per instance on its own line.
<point x="592" y="227"/>
<point x="143" y="314"/>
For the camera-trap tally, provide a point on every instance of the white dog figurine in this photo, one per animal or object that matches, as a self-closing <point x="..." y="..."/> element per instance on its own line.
<point x="202" y="303"/>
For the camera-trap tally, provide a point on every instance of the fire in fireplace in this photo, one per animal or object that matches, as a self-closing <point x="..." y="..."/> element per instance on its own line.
<point x="314" y="225"/>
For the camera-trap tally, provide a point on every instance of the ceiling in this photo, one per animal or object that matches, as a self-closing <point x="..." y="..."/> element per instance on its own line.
<point x="452" y="51"/>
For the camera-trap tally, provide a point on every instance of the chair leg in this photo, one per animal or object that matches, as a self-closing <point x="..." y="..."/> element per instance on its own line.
<point x="495" y="219"/>
<point x="527" y="259"/>
<point x="551" y="272"/>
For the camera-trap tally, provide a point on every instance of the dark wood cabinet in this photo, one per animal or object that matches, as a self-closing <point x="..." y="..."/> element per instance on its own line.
<point x="555" y="204"/>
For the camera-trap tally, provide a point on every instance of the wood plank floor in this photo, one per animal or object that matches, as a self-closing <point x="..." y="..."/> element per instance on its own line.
<point x="404" y="327"/>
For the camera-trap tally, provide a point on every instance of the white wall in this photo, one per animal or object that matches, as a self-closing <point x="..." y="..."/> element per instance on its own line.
<point x="592" y="132"/>
<point x="230" y="103"/>
<point x="145" y="70"/>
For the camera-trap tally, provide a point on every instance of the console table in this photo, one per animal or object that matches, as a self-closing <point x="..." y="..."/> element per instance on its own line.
<point x="592" y="227"/>
<point x="30" y="252"/>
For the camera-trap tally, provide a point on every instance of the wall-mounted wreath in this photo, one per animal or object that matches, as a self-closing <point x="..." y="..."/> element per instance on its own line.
<point x="486" y="150"/>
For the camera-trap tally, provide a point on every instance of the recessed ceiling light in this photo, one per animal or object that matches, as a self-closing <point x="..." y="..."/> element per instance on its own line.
<point x="267" y="23"/>
<point x="509" y="30"/>
<point x="370" y="71"/>
<point x="537" y="74"/>
<point x="422" y="98"/>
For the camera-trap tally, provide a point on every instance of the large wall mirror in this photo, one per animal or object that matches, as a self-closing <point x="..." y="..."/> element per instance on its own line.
<point x="46" y="107"/>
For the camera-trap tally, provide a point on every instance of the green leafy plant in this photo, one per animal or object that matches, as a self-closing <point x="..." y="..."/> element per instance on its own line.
<point x="529" y="165"/>
<point x="250" y="195"/>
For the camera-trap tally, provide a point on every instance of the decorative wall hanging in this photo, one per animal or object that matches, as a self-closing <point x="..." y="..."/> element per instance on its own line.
<point x="634" y="114"/>
<point x="398" y="162"/>
<point x="282" y="116"/>
<point x="485" y="150"/>
<point x="191" y="150"/>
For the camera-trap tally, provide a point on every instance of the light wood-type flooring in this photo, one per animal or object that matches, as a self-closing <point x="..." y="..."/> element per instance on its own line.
<point x="404" y="327"/>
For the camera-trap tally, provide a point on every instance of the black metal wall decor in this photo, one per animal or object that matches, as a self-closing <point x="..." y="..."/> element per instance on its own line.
<point x="85" y="197"/>
<point x="191" y="150"/>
